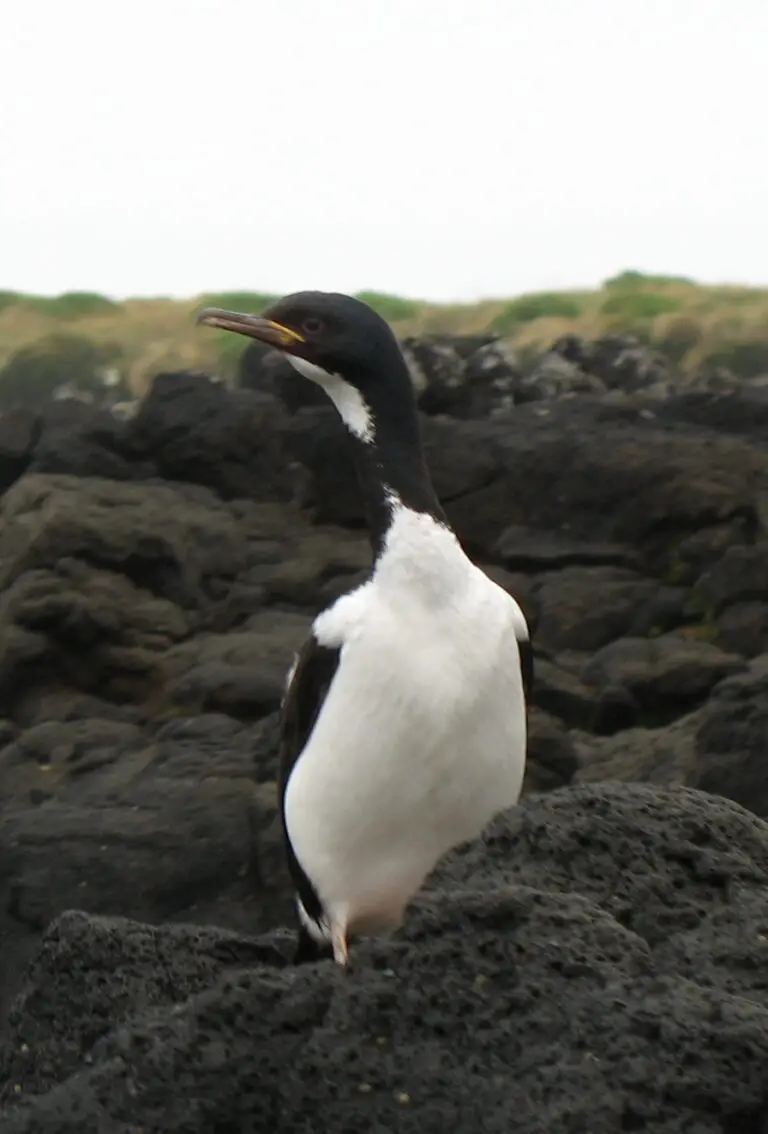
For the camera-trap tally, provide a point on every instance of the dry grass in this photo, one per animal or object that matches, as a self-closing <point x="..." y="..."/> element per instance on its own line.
<point x="692" y="323"/>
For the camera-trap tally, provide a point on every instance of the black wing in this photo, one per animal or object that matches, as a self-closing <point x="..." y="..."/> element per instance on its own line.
<point x="313" y="673"/>
<point x="526" y="668"/>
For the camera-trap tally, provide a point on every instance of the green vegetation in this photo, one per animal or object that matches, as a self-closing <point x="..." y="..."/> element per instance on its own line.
<point x="69" y="305"/>
<point x="9" y="299"/>
<point x="695" y="326"/>
<point x="540" y="305"/>
<point x="247" y="302"/>
<point x="393" y="308"/>
<point x="636" y="280"/>
<point x="638" y="305"/>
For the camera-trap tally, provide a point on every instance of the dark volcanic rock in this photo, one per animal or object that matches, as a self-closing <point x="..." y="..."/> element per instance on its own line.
<point x="468" y="376"/>
<point x="665" y="755"/>
<point x="98" y="579"/>
<point x="19" y="432"/>
<point x="242" y="674"/>
<point x="465" y="376"/>
<point x="102" y="816"/>
<point x="732" y="740"/>
<point x="666" y="676"/>
<point x="740" y="576"/>
<point x="572" y="467"/>
<point x="200" y="431"/>
<point x="741" y="411"/>
<point x="523" y="549"/>
<point x="268" y="371"/>
<point x="551" y="760"/>
<point x="585" y="608"/>
<point x="82" y="440"/>
<point x="743" y="628"/>
<point x="598" y="964"/>
<point x="561" y="692"/>
<point x="595" y="964"/>
<point x="622" y="362"/>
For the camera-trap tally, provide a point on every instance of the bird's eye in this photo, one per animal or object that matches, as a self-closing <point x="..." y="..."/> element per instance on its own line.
<point x="312" y="325"/>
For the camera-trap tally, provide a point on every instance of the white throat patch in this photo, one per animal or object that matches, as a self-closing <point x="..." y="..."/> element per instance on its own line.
<point x="348" y="401"/>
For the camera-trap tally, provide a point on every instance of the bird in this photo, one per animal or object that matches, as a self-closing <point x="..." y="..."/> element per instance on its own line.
<point x="403" y="725"/>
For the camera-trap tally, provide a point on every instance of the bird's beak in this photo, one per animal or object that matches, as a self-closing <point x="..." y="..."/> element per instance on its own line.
<point x="254" y="326"/>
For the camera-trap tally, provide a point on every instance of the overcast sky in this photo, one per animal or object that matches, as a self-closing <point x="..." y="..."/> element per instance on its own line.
<point x="436" y="148"/>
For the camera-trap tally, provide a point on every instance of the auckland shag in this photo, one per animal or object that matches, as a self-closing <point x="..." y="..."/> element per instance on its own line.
<point x="404" y="718"/>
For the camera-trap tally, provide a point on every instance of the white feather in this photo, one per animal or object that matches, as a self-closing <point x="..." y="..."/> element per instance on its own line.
<point x="348" y="400"/>
<point x="422" y="737"/>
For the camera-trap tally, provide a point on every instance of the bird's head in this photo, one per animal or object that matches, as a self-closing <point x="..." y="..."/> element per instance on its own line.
<point x="337" y="341"/>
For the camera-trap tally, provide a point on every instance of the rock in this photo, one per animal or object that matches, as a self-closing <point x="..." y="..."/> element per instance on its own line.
<point x="99" y="579"/>
<point x="568" y="471"/>
<point x="523" y="549"/>
<point x="228" y="440"/>
<point x="82" y="440"/>
<point x="493" y="376"/>
<point x="569" y="468"/>
<point x="146" y="626"/>
<point x="269" y="371"/>
<point x="312" y="567"/>
<point x="622" y="362"/>
<point x="706" y="546"/>
<point x="164" y="540"/>
<point x="732" y="739"/>
<point x="551" y="760"/>
<point x="666" y="676"/>
<point x="739" y="576"/>
<point x="33" y="763"/>
<point x="741" y="411"/>
<point x="242" y="674"/>
<point x="584" y="608"/>
<point x="619" y="362"/>
<point x="639" y="755"/>
<point x="115" y="822"/>
<point x="555" y="377"/>
<point x="585" y="943"/>
<point x="172" y="964"/>
<point x="743" y="628"/>
<point x="465" y="376"/>
<point x="19" y="433"/>
<point x="561" y="693"/>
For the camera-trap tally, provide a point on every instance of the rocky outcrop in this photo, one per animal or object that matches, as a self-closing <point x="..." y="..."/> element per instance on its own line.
<point x="578" y="970"/>
<point x="601" y="948"/>
<point x="476" y="376"/>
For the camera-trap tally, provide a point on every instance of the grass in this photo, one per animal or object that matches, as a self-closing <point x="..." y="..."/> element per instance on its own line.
<point x="694" y="325"/>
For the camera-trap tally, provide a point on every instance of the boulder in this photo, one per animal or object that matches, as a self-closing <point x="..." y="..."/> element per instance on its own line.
<point x="732" y="739"/>
<point x="597" y="963"/>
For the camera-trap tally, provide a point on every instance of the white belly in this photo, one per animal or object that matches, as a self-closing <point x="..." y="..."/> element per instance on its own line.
<point x="420" y="743"/>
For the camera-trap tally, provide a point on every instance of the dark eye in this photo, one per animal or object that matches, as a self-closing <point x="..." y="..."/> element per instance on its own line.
<point x="312" y="325"/>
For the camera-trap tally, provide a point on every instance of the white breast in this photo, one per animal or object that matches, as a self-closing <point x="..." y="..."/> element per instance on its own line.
<point x="421" y="740"/>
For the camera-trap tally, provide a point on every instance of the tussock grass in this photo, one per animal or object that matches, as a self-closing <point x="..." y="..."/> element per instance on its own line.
<point x="694" y="325"/>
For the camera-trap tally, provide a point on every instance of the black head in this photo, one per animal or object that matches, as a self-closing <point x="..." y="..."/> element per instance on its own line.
<point x="338" y="334"/>
<point x="346" y="348"/>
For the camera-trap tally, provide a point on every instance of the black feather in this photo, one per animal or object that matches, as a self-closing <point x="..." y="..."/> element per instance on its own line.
<point x="526" y="668"/>
<point x="315" y="669"/>
<point x="308" y="951"/>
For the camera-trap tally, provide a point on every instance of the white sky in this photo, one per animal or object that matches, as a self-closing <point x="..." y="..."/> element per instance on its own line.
<point x="436" y="148"/>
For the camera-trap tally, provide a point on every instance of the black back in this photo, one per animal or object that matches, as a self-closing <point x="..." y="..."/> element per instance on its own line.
<point x="315" y="669"/>
<point x="525" y="647"/>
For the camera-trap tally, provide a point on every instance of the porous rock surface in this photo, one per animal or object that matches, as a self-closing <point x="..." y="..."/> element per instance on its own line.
<point x="597" y="963"/>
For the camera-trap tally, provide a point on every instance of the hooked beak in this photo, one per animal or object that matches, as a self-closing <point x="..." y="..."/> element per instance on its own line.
<point x="254" y="326"/>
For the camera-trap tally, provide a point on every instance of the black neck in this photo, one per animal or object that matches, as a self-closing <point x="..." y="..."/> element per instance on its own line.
<point x="394" y="463"/>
